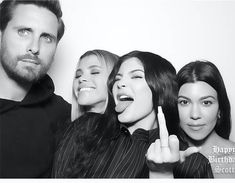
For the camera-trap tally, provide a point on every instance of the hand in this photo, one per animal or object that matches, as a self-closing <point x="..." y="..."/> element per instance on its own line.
<point x="188" y="152"/>
<point x="164" y="152"/>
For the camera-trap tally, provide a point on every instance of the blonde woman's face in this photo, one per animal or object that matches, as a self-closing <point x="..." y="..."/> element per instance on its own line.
<point x="89" y="84"/>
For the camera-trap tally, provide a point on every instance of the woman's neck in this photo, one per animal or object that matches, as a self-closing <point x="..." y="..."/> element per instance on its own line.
<point x="206" y="145"/>
<point x="198" y="143"/>
<point x="146" y="123"/>
<point x="96" y="108"/>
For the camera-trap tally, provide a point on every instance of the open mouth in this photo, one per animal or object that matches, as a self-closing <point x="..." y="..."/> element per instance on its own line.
<point x="125" y="98"/>
<point x="123" y="102"/>
<point x="85" y="89"/>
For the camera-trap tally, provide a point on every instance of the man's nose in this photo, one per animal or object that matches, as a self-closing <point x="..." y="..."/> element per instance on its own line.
<point x="34" y="46"/>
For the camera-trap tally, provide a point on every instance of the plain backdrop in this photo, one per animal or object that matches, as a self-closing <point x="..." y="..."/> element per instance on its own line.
<point x="179" y="30"/>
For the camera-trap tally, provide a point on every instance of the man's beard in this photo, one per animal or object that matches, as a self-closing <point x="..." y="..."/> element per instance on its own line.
<point x="23" y="76"/>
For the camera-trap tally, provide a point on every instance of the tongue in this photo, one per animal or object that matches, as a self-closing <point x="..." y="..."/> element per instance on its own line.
<point x="122" y="105"/>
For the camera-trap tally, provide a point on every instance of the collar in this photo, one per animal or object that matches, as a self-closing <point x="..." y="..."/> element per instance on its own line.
<point x="141" y="134"/>
<point x="40" y="91"/>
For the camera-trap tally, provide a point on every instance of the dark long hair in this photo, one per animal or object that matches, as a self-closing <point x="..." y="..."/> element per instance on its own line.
<point x="7" y="7"/>
<point x="209" y="73"/>
<point x="160" y="76"/>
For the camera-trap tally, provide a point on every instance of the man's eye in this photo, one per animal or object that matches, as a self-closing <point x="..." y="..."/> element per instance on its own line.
<point x="48" y="39"/>
<point x="23" y="32"/>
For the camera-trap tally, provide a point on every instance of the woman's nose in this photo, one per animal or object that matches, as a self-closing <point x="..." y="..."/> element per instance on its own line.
<point x="195" y="112"/>
<point x="121" y="84"/>
<point x="82" y="79"/>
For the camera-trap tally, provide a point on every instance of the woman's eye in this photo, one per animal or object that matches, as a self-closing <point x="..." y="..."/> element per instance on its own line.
<point x="207" y="102"/>
<point x="117" y="79"/>
<point x="136" y="77"/>
<point x="77" y="76"/>
<point x="183" y="102"/>
<point x="95" y="72"/>
<point x="23" y="32"/>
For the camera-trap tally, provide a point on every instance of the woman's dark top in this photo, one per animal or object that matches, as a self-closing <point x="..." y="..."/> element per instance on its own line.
<point x="124" y="157"/>
<point x="195" y="166"/>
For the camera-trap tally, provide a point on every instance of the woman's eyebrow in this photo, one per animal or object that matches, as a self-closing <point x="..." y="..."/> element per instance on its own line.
<point x="208" y="96"/>
<point x="137" y="70"/>
<point x="181" y="96"/>
<point x="94" y="66"/>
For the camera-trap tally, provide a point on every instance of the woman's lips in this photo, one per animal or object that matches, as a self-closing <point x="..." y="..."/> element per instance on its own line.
<point x="196" y="127"/>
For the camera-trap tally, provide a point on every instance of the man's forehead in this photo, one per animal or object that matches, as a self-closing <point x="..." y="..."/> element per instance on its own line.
<point x="33" y="16"/>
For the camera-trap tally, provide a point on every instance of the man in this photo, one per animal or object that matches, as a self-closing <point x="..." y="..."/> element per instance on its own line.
<point x="30" y="113"/>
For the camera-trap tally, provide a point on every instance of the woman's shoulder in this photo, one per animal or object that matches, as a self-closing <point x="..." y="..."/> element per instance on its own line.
<point x="195" y="166"/>
<point x="230" y="143"/>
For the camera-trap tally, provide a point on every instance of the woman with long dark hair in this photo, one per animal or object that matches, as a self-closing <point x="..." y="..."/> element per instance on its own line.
<point x="204" y="112"/>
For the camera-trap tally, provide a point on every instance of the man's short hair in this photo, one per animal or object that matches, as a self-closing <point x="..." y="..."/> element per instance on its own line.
<point x="7" y="7"/>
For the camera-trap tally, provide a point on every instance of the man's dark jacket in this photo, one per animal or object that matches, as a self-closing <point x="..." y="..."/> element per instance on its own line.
<point x="29" y="131"/>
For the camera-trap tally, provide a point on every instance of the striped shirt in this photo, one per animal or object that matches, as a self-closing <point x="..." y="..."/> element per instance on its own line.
<point x="195" y="166"/>
<point x="125" y="158"/>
